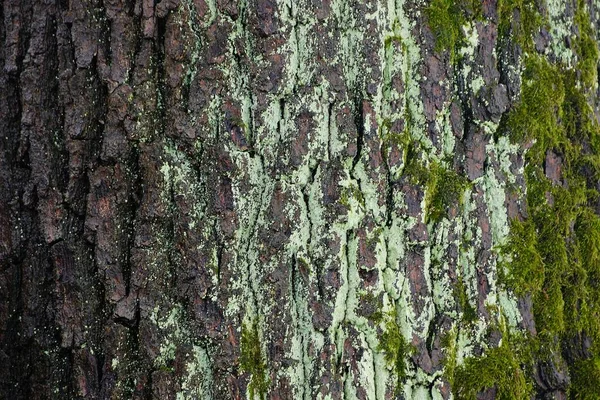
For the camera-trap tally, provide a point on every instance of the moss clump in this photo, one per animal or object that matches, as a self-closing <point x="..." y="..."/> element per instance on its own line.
<point x="538" y="113"/>
<point x="581" y="125"/>
<point x="556" y="250"/>
<point x="253" y="362"/>
<point x="414" y="169"/>
<point x="583" y="298"/>
<point x="585" y="47"/>
<point x="547" y="261"/>
<point x="526" y="266"/>
<point x="499" y="367"/>
<point x="469" y="314"/>
<point x="445" y="188"/>
<point x="523" y="27"/>
<point x="446" y="19"/>
<point x="394" y="346"/>
<point x="585" y="379"/>
<point x="390" y="137"/>
<point x="450" y="355"/>
<point x="352" y="192"/>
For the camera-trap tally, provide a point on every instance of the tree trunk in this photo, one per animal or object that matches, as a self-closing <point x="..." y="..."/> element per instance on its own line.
<point x="299" y="199"/>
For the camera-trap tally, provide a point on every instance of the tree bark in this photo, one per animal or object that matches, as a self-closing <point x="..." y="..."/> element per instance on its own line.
<point x="338" y="199"/>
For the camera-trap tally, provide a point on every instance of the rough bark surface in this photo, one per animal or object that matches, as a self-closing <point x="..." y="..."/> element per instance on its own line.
<point x="295" y="199"/>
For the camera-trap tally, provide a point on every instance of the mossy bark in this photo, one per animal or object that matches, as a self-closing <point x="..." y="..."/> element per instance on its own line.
<point x="227" y="199"/>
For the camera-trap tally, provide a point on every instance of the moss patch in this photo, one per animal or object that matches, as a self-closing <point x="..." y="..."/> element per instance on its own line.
<point x="469" y="314"/>
<point x="445" y="186"/>
<point x="585" y="379"/>
<point x="553" y="255"/>
<point x="414" y="169"/>
<point x="444" y="190"/>
<point x="586" y="48"/>
<point x="450" y="361"/>
<point x="546" y="250"/>
<point x="555" y="252"/>
<point x="538" y="113"/>
<point x="446" y="19"/>
<point x="394" y="347"/>
<point x="526" y="266"/>
<point x="253" y="362"/>
<point x="521" y="19"/>
<point x="499" y="367"/>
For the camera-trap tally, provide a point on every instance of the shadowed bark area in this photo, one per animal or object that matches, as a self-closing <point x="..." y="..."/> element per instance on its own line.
<point x="281" y="199"/>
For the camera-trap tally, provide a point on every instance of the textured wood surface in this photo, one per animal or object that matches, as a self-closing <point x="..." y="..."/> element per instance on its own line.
<point x="225" y="199"/>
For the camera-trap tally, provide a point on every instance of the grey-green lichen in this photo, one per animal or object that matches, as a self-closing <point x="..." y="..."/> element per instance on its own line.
<point x="197" y="382"/>
<point x="174" y="333"/>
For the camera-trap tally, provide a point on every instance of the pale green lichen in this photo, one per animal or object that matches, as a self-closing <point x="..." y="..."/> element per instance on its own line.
<point x="197" y="381"/>
<point x="444" y="126"/>
<point x="172" y="332"/>
<point x="349" y="41"/>
<point x="560" y="31"/>
<point x="180" y="178"/>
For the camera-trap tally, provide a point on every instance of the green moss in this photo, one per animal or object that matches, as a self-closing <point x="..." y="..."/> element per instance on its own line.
<point x="525" y="26"/>
<point x="414" y="169"/>
<point x="504" y="368"/>
<point x="394" y="346"/>
<point x="538" y="113"/>
<point x="351" y="192"/>
<point x="587" y="230"/>
<point x="585" y="379"/>
<point x="446" y="19"/>
<point x="554" y="113"/>
<point x="445" y="188"/>
<point x="555" y="252"/>
<point x="586" y="48"/>
<point x="450" y="361"/>
<point x="580" y="123"/>
<point x="526" y="268"/>
<point x="389" y="41"/>
<point x="469" y="314"/>
<point x="253" y="362"/>
<point x="390" y="137"/>
<point x="584" y="277"/>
